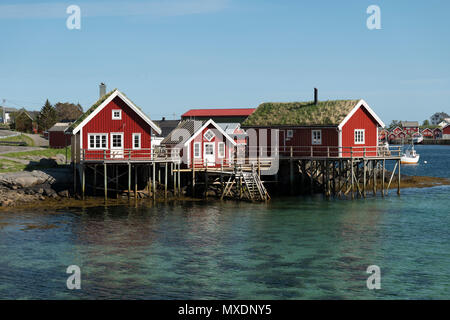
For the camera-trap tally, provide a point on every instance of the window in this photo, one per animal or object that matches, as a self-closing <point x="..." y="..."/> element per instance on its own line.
<point x="209" y="149"/>
<point x="290" y="134"/>
<point x="316" y="137"/>
<point x="116" y="140"/>
<point x="98" y="141"/>
<point x="136" y="140"/>
<point x="359" y="136"/>
<point x="197" y="150"/>
<point x="209" y="135"/>
<point x="117" y="114"/>
<point x="221" y="149"/>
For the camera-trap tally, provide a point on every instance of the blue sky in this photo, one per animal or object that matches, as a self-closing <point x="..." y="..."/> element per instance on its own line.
<point x="169" y="56"/>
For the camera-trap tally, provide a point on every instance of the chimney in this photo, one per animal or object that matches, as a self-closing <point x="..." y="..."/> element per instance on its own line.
<point x="102" y="89"/>
<point x="316" y="96"/>
<point x="163" y="118"/>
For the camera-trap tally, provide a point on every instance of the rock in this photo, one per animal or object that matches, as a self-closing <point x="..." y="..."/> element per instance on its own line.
<point x="40" y="191"/>
<point x="49" y="163"/>
<point x="64" y="193"/>
<point x="6" y="202"/>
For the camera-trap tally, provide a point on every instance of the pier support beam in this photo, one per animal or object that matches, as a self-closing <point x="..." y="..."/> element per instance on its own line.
<point x="129" y="180"/>
<point x="105" y="175"/>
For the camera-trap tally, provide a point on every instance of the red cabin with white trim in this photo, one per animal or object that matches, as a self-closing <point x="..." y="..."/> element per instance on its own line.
<point x="114" y="128"/>
<point x="202" y="144"/>
<point x="354" y="133"/>
<point x="428" y="133"/>
<point x="446" y="132"/>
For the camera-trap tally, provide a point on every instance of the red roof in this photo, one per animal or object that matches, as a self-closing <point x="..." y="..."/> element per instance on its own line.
<point x="241" y="112"/>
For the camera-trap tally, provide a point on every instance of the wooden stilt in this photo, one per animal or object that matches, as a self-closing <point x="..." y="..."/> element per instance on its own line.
<point x="149" y="183"/>
<point x="117" y="181"/>
<point x="364" y="177"/>
<point x="135" y="182"/>
<point x="165" y="181"/>
<point x="353" y="179"/>
<point x="374" y="168"/>
<point x="83" y="179"/>
<point x="129" y="180"/>
<point x="95" y="180"/>
<point x="399" y="177"/>
<point x="206" y="181"/>
<point x="193" y="181"/>
<point x="179" y="179"/>
<point x="105" y="175"/>
<point x="154" y="181"/>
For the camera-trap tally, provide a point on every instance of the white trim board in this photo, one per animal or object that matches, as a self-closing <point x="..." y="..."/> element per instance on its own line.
<point x="115" y="94"/>
<point x="366" y="106"/>
<point x="207" y="123"/>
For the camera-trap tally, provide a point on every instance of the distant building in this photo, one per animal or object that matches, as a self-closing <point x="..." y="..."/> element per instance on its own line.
<point x="218" y="115"/>
<point x="166" y="127"/>
<point x="57" y="137"/>
<point x="438" y="117"/>
<point x="25" y="121"/>
<point x="6" y="114"/>
<point x="410" y="127"/>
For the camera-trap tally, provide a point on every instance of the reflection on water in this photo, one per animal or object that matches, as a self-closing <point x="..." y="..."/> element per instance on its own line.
<point x="291" y="248"/>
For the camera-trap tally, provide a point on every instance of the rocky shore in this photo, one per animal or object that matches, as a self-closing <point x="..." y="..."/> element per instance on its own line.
<point x="30" y="186"/>
<point x="50" y="187"/>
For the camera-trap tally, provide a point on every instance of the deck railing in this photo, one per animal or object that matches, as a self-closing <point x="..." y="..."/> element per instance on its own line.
<point x="154" y="154"/>
<point x="325" y="151"/>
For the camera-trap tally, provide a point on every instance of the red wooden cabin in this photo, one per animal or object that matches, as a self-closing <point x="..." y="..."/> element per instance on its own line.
<point x="437" y="132"/>
<point x="446" y="132"/>
<point x="57" y="137"/>
<point x="392" y="136"/>
<point x="397" y="130"/>
<point x="427" y="133"/>
<point x="202" y="143"/>
<point x="114" y="128"/>
<point x="341" y="128"/>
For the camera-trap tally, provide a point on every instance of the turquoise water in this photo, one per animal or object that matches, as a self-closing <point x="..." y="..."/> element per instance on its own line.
<point x="291" y="248"/>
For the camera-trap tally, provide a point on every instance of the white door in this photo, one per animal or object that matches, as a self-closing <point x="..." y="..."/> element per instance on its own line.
<point x="117" y="145"/>
<point x="208" y="154"/>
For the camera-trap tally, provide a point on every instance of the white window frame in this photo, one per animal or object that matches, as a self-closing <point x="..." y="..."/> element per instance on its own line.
<point x="314" y="141"/>
<point x="363" y="131"/>
<point x="140" y="141"/>
<point x="219" y="154"/>
<point x="290" y="133"/>
<point x="199" y="150"/>
<point x="111" y="137"/>
<point x="120" y="114"/>
<point x="97" y="135"/>
<point x="209" y="131"/>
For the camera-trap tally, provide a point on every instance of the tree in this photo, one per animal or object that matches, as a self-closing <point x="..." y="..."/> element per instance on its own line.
<point x="426" y="123"/>
<point x="67" y="112"/>
<point x="23" y="122"/>
<point x="47" y="117"/>
<point x="394" y="124"/>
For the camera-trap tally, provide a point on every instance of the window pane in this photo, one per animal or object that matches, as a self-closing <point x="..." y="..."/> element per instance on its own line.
<point x="103" y="141"/>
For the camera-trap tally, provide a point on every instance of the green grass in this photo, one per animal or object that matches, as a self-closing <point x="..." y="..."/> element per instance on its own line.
<point x="46" y="153"/>
<point x="11" y="166"/>
<point x="20" y="138"/>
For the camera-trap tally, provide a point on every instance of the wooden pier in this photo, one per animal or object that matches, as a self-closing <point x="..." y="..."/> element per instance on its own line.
<point x="334" y="171"/>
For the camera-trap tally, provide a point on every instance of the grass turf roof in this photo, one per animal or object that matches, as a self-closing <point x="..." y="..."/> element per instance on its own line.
<point x="90" y="110"/>
<point x="300" y="113"/>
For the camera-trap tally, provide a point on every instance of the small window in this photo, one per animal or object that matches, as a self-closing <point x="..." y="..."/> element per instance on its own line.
<point x="97" y="141"/>
<point x="316" y="137"/>
<point x="359" y="136"/>
<point x="116" y="140"/>
<point x="290" y="133"/>
<point x="136" y="140"/>
<point x="117" y="114"/>
<point x="197" y="150"/>
<point x="209" y="135"/>
<point x="221" y="149"/>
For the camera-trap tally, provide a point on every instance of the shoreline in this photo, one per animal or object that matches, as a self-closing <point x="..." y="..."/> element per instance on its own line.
<point x="56" y="201"/>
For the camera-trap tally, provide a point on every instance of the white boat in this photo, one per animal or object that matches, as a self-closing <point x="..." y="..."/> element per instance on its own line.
<point x="417" y="139"/>
<point x="410" y="156"/>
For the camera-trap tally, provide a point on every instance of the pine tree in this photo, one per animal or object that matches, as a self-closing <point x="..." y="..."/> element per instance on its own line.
<point x="47" y="117"/>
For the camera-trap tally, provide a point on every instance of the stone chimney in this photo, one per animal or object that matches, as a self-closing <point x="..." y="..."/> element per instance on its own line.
<point x="102" y="89"/>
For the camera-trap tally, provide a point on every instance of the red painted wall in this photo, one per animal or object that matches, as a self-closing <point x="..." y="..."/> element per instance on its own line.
<point x="361" y="119"/>
<point x="57" y="139"/>
<point x="446" y="130"/>
<point x="130" y="123"/>
<point x="198" y="162"/>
